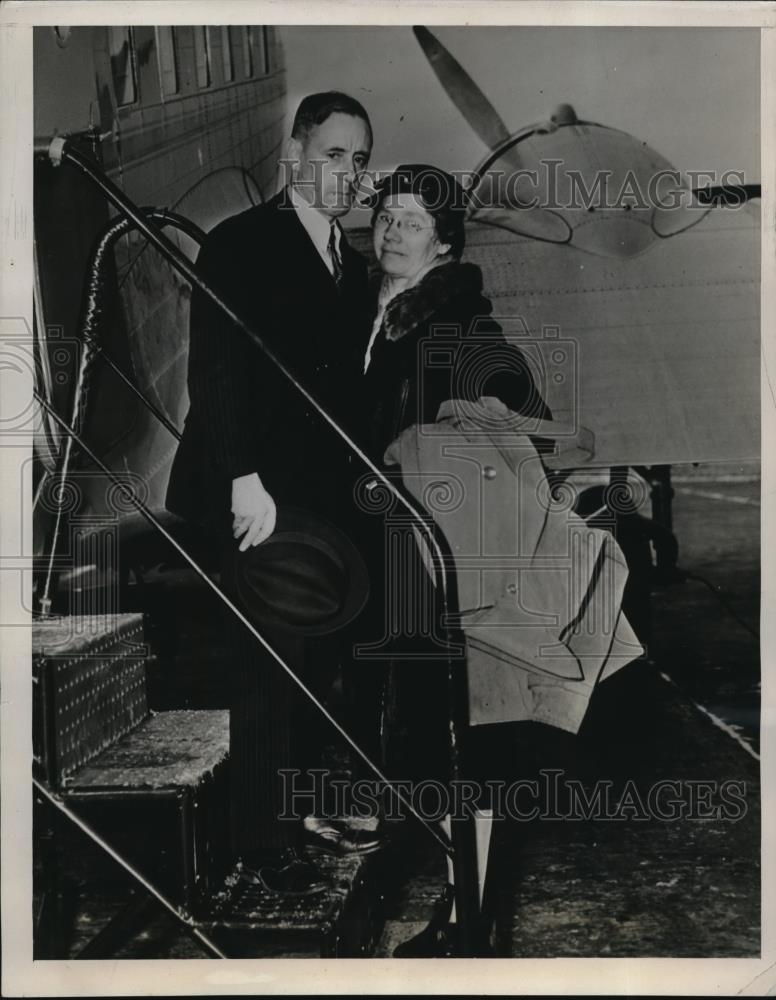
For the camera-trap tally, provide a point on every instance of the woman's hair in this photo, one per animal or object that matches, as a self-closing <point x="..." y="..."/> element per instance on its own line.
<point x="439" y="193"/>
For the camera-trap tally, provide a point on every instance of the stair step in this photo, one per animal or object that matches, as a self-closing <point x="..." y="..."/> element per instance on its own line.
<point x="345" y="921"/>
<point x="176" y="749"/>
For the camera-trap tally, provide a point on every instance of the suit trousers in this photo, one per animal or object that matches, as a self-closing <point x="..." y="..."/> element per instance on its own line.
<point x="274" y="728"/>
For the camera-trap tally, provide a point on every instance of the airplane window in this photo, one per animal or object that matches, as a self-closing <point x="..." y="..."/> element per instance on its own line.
<point x="168" y="64"/>
<point x="261" y="49"/>
<point x="202" y="56"/>
<point x="265" y="34"/>
<point x="122" y="65"/>
<point x="256" y="48"/>
<point x="226" y="52"/>
<point x="247" y="53"/>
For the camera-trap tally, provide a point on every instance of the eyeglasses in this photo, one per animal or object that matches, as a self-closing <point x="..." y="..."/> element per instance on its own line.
<point x="411" y="226"/>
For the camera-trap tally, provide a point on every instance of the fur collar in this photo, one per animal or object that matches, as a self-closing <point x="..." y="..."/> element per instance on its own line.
<point x="412" y="307"/>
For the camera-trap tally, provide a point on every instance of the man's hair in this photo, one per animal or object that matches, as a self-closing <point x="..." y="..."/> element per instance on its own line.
<point x="315" y="109"/>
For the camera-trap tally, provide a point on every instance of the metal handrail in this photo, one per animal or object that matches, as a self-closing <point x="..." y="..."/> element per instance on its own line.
<point x="91" y="318"/>
<point x="93" y="310"/>
<point x="463" y="848"/>
<point x="61" y="149"/>
<point x="188" y="922"/>
<point x="149" y="516"/>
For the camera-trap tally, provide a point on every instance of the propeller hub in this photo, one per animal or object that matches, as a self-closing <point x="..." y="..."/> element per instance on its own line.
<point x="564" y="114"/>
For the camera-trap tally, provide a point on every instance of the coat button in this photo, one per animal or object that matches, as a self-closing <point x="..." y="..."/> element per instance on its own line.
<point x="489" y="472"/>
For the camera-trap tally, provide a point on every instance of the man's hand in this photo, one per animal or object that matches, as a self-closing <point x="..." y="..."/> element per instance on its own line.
<point x="253" y="509"/>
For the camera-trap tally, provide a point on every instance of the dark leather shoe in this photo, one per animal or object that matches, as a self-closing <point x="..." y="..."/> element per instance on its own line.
<point x="439" y="943"/>
<point x="438" y="939"/>
<point x="337" y="836"/>
<point x="290" y="875"/>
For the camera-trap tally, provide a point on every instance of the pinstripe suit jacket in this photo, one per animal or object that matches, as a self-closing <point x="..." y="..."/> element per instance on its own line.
<point x="244" y="415"/>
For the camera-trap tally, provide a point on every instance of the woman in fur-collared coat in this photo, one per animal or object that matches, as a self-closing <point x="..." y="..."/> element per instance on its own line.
<point x="433" y="337"/>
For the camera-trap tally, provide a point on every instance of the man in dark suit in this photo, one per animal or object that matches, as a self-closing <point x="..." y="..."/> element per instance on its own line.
<point x="253" y="452"/>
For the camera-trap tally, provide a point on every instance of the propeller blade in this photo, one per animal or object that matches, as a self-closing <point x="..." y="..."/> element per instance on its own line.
<point x="463" y="91"/>
<point x="728" y="196"/>
<point x="670" y="221"/>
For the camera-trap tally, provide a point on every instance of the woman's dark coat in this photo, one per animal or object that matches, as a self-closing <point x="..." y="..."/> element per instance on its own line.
<point x="438" y="341"/>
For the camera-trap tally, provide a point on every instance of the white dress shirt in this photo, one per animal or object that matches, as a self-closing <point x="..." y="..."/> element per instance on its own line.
<point x="384" y="296"/>
<point x="317" y="227"/>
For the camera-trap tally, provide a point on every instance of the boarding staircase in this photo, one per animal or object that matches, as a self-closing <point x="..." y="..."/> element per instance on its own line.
<point x="157" y="784"/>
<point x="153" y="785"/>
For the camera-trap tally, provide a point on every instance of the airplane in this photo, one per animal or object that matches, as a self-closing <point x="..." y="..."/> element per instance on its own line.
<point x="655" y="296"/>
<point x="618" y="307"/>
<point x="616" y="282"/>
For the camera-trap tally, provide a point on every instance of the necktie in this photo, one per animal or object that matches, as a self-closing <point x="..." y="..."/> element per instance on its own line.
<point x="335" y="257"/>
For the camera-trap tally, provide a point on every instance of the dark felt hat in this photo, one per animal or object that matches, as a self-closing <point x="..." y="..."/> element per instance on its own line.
<point x="441" y="194"/>
<point x="308" y="577"/>
<point x="437" y="189"/>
